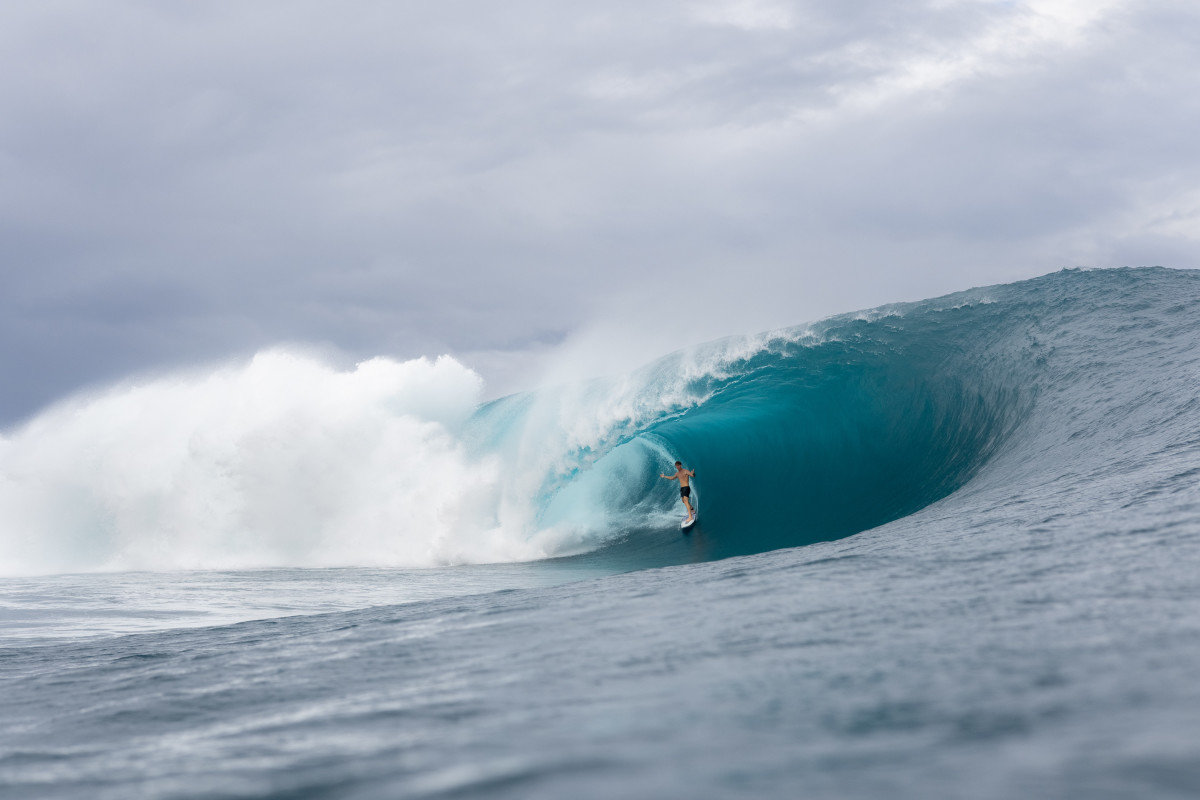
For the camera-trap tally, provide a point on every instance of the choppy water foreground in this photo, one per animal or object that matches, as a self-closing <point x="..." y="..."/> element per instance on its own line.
<point x="1031" y="628"/>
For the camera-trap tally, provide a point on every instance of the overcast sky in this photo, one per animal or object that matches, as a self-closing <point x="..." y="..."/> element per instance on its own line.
<point x="182" y="182"/>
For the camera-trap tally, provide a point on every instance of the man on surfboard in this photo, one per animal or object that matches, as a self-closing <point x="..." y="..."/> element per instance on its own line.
<point x="685" y="490"/>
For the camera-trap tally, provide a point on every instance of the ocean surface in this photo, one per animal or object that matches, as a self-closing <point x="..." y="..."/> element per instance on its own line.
<point x="946" y="549"/>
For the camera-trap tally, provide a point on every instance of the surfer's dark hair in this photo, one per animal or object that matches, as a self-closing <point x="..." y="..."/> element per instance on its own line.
<point x="679" y="463"/>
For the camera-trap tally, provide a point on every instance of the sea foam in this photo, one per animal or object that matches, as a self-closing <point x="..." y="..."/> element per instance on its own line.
<point x="280" y="461"/>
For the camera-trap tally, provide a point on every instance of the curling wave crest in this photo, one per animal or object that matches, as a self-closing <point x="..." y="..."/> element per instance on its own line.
<point x="800" y="435"/>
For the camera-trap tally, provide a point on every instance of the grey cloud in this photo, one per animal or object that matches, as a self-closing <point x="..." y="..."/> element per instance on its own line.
<point x="195" y="180"/>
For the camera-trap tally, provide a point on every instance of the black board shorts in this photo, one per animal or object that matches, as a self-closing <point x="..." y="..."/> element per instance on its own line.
<point x="685" y="491"/>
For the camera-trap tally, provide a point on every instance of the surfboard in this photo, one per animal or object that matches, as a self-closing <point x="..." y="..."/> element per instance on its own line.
<point x="685" y="525"/>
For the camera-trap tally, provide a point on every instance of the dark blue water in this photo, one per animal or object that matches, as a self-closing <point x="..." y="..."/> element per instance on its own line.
<point x="947" y="549"/>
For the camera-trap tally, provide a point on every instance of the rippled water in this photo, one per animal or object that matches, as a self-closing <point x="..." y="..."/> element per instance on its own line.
<point x="1033" y="633"/>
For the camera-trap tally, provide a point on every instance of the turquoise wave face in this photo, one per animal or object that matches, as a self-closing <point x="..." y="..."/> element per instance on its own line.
<point x="796" y="436"/>
<point x="817" y="433"/>
<point x="817" y="443"/>
<point x="813" y="436"/>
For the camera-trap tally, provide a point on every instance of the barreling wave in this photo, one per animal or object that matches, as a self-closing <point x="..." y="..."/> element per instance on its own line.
<point x="800" y="435"/>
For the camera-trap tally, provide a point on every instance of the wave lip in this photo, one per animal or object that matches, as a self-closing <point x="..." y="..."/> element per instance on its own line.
<point x="798" y="436"/>
<point x="820" y="432"/>
<point x="815" y="437"/>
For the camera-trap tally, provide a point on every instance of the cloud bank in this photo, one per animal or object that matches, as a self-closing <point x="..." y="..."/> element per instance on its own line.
<point x="193" y="180"/>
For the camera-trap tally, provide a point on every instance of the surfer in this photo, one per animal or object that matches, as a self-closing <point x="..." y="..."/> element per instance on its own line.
<point x="685" y="490"/>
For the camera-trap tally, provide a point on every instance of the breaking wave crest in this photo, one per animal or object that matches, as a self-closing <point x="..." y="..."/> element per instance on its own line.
<point x="801" y="435"/>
